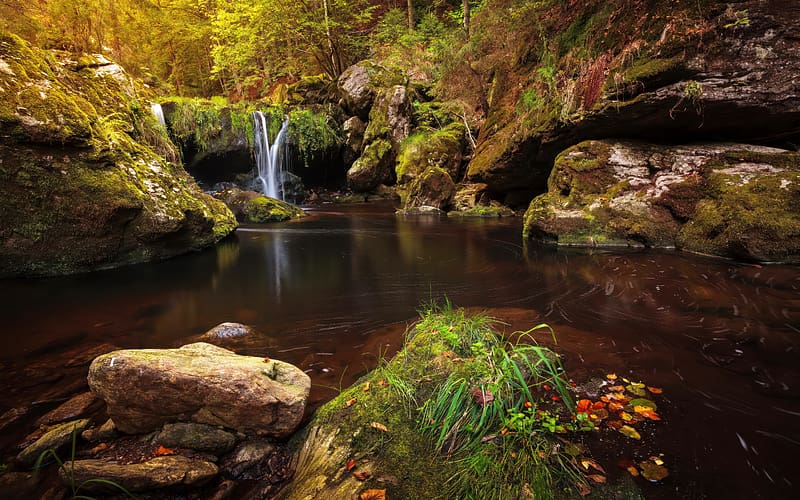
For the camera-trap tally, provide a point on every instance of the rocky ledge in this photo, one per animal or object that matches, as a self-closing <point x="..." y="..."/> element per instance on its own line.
<point x="731" y="200"/>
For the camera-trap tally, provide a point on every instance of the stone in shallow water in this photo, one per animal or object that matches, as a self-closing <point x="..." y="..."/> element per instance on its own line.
<point x="225" y="331"/>
<point x="201" y="383"/>
<point x="159" y="472"/>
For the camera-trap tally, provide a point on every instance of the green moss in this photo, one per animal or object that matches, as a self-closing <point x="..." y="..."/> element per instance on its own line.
<point x="316" y="135"/>
<point x="264" y="209"/>
<point x="483" y="211"/>
<point x="648" y="67"/>
<point x="438" y="148"/>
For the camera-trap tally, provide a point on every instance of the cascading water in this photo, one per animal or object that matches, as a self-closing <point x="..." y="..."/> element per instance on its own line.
<point x="158" y="113"/>
<point x="271" y="160"/>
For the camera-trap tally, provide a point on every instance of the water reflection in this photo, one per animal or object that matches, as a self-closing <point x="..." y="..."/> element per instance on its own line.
<point x="331" y="291"/>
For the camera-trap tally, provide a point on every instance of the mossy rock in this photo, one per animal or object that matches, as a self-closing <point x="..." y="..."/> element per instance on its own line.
<point x="432" y="188"/>
<point x="265" y="209"/>
<point x="442" y="148"/>
<point x="483" y="211"/>
<point x="731" y="200"/>
<point x="372" y="168"/>
<point x="80" y="191"/>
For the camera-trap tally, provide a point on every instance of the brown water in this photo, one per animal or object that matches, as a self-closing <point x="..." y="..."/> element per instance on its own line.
<point x="331" y="291"/>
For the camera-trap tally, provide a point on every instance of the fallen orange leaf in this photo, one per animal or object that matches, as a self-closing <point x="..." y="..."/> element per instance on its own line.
<point x="351" y="402"/>
<point x="528" y="404"/>
<point x="633" y="471"/>
<point x="373" y="495"/>
<point x="611" y="376"/>
<point x="366" y="387"/>
<point x="584" y="405"/>
<point x="583" y="488"/>
<point x="351" y="464"/>
<point x="615" y="406"/>
<point x="267" y="360"/>
<point x="555" y="398"/>
<point x="616" y="388"/>
<point x="383" y="383"/>
<point x="655" y="390"/>
<point x="161" y="451"/>
<point x="598" y="405"/>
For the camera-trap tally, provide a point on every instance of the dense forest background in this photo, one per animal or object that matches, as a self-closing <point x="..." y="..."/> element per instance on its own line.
<point x="244" y="49"/>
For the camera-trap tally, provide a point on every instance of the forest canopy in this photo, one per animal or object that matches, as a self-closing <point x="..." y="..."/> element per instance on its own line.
<point x="238" y="48"/>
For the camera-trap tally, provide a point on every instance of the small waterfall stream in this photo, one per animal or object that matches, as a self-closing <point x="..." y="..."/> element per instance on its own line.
<point x="271" y="160"/>
<point x="158" y="113"/>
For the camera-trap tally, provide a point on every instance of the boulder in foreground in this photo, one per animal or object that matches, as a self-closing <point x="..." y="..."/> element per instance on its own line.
<point x="201" y="383"/>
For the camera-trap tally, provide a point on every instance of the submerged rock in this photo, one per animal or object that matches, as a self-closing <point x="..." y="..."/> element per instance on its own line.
<point x="226" y="331"/>
<point x="81" y="189"/>
<point x="732" y="200"/>
<point x="201" y="383"/>
<point x="159" y="472"/>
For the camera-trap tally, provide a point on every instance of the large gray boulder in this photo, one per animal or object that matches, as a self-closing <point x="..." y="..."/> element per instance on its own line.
<point x="733" y="200"/>
<point x="356" y="90"/>
<point x="202" y="383"/>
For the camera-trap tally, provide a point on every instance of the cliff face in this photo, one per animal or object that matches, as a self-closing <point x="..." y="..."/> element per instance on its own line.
<point x="675" y="72"/>
<point x="83" y="187"/>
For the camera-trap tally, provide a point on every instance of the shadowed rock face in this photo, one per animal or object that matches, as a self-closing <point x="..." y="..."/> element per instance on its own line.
<point x="721" y="82"/>
<point x="732" y="200"/>
<point x="200" y="383"/>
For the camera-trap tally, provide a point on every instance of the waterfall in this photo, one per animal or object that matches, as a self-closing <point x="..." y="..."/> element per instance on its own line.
<point x="271" y="161"/>
<point x="158" y="113"/>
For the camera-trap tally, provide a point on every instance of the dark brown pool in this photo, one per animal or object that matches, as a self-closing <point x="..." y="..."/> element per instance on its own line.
<point x="331" y="291"/>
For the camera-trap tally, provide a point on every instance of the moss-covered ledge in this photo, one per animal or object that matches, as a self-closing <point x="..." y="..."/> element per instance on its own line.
<point x="732" y="200"/>
<point x="458" y="413"/>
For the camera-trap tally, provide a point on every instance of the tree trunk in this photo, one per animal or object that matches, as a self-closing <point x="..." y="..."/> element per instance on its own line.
<point x="465" y="3"/>
<point x="410" y="5"/>
<point x="331" y="51"/>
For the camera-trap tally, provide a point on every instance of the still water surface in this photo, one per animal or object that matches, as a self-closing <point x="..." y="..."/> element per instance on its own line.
<point x="331" y="291"/>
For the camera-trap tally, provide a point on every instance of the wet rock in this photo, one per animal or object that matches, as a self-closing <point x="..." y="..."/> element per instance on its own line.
<point x="12" y="416"/>
<point x="227" y="331"/>
<point x="18" y="485"/>
<point x="103" y="433"/>
<point x="250" y="206"/>
<point x="199" y="437"/>
<point x="469" y="195"/>
<point x="432" y="188"/>
<point x="77" y="406"/>
<point x="54" y="439"/>
<point x="723" y="199"/>
<point x="159" y="472"/>
<point x="373" y="168"/>
<point x="356" y="90"/>
<point x="245" y="462"/>
<point x="201" y="383"/>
